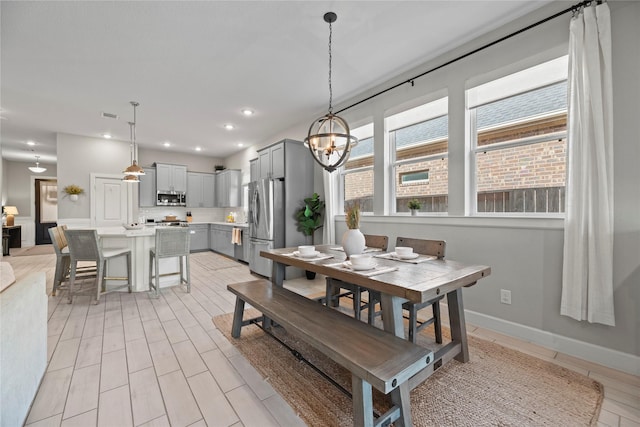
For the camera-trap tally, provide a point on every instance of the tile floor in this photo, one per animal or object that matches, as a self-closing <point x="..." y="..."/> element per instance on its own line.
<point x="137" y="361"/>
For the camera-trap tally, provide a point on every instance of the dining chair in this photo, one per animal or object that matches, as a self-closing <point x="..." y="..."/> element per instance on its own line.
<point x="84" y="246"/>
<point x="334" y="287"/>
<point x="171" y="242"/>
<point x="423" y="247"/>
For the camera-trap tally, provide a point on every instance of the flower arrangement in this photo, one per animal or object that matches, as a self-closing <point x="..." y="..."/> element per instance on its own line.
<point x="414" y="204"/>
<point x="73" y="189"/>
<point x="352" y="216"/>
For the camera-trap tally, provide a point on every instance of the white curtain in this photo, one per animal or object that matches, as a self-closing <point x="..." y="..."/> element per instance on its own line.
<point x="587" y="276"/>
<point x="330" y="203"/>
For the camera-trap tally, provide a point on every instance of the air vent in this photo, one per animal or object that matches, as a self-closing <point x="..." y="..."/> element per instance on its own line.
<point x="109" y="115"/>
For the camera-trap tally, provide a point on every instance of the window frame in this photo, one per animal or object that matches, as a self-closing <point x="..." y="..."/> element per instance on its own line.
<point x="475" y="149"/>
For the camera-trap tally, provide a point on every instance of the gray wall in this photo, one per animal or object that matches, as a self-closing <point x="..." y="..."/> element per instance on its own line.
<point x="196" y="162"/>
<point x="78" y="157"/>
<point x="526" y="254"/>
<point x="16" y="184"/>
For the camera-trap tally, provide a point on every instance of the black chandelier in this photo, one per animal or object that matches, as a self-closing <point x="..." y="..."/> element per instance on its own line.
<point x="329" y="139"/>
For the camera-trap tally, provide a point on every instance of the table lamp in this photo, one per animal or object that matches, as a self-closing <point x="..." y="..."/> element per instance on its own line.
<point x="10" y="211"/>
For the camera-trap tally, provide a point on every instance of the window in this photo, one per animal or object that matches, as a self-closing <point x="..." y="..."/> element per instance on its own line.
<point x="417" y="177"/>
<point x="518" y="128"/>
<point x="357" y="174"/>
<point x="419" y="147"/>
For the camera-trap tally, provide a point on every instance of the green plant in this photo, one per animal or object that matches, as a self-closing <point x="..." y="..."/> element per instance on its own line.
<point x="352" y="216"/>
<point x="310" y="215"/>
<point x="73" y="189"/>
<point x="414" y="204"/>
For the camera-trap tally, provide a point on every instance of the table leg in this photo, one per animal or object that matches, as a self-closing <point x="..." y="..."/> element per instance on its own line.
<point x="457" y="324"/>
<point x="392" y="314"/>
<point x="277" y="273"/>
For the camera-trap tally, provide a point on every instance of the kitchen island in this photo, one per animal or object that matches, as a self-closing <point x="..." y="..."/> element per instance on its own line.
<point x="140" y="242"/>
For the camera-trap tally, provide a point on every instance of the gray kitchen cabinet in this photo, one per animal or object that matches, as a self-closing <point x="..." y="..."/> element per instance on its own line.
<point x="171" y="178"/>
<point x="147" y="188"/>
<point x="271" y="161"/>
<point x="253" y="170"/>
<point x="199" y="234"/>
<point x="200" y="190"/>
<point x="228" y="189"/>
<point x="220" y="240"/>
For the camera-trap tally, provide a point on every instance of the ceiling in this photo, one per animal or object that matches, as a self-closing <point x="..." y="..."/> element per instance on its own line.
<point x="193" y="66"/>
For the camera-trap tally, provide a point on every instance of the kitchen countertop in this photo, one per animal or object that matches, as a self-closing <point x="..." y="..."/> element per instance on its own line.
<point x="228" y="224"/>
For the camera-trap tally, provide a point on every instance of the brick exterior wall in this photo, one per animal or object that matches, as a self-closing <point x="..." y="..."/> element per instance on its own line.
<point x="507" y="179"/>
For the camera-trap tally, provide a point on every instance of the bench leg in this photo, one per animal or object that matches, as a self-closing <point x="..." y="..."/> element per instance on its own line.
<point x="237" y="318"/>
<point x="362" y="402"/>
<point x="400" y="398"/>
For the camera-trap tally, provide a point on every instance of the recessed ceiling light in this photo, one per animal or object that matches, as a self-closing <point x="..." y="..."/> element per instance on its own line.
<point x="229" y="126"/>
<point x="167" y="144"/>
<point x="247" y="111"/>
<point x="31" y="143"/>
<point x="198" y="149"/>
<point x="106" y="136"/>
<point x="240" y="144"/>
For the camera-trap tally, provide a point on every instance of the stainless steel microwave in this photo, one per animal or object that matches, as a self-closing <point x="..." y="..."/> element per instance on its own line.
<point x="174" y="199"/>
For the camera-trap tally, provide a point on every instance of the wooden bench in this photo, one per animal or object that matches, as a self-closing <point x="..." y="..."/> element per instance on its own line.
<point x="373" y="356"/>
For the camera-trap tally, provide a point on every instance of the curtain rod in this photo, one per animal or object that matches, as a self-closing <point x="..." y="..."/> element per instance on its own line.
<point x="573" y="8"/>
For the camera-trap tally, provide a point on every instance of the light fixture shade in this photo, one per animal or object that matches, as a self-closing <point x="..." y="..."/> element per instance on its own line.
<point x="132" y="179"/>
<point x="133" y="169"/>
<point x="11" y="210"/>
<point x="37" y="168"/>
<point x="330" y="141"/>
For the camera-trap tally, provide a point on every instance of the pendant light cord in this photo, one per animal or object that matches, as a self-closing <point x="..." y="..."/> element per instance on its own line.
<point x="330" y="58"/>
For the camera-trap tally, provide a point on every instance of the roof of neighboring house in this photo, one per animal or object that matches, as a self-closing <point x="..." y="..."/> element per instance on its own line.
<point x="528" y="104"/>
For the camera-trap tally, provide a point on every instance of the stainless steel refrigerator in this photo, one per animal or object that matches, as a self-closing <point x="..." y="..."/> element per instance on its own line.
<point x="266" y="222"/>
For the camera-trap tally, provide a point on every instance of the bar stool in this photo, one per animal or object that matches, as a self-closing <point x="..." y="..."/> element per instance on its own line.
<point x="171" y="242"/>
<point x="63" y="260"/>
<point x="83" y="246"/>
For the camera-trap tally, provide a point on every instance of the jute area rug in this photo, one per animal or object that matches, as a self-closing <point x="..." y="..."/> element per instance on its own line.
<point x="498" y="387"/>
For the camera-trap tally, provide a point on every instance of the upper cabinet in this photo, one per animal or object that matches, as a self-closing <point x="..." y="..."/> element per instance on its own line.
<point x="171" y="178"/>
<point x="228" y="188"/>
<point x="279" y="160"/>
<point x="200" y="190"/>
<point x="253" y="169"/>
<point x="147" y="188"/>
<point x="271" y="161"/>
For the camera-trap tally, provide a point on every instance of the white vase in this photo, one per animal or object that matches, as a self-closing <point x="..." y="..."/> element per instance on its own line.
<point x="353" y="242"/>
<point x="73" y="197"/>
<point x="414" y="212"/>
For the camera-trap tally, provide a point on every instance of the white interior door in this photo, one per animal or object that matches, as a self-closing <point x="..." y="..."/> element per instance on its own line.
<point x="110" y="201"/>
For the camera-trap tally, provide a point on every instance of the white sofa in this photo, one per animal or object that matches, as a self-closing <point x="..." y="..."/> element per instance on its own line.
<point x="23" y="343"/>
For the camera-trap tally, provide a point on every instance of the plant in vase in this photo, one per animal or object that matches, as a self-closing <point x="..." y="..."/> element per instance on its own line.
<point x="309" y="219"/>
<point x="353" y="239"/>
<point x="73" y="191"/>
<point x="414" y="206"/>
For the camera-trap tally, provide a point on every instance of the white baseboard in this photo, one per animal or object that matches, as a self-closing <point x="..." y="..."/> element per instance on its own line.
<point x="593" y="353"/>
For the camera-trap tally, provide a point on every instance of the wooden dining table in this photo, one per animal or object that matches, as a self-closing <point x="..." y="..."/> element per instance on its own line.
<point x="416" y="283"/>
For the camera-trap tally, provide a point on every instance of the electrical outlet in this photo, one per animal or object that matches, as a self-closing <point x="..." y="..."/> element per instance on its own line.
<point x="505" y="296"/>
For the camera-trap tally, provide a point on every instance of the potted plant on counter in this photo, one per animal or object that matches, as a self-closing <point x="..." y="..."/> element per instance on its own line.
<point x="310" y="219"/>
<point x="73" y="191"/>
<point x="414" y="206"/>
